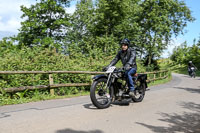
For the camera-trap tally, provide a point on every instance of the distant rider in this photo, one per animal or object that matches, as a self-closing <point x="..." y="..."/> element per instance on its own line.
<point x="190" y="65"/>
<point x="127" y="55"/>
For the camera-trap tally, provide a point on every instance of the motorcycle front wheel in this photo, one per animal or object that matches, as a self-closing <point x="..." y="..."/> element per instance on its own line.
<point x="193" y="74"/>
<point x="100" y="95"/>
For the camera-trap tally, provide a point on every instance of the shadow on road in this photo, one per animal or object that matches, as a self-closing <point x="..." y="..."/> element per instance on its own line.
<point x="192" y="90"/>
<point x="119" y="103"/>
<point x="187" y="122"/>
<point x="90" y="106"/>
<point x="74" y="131"/>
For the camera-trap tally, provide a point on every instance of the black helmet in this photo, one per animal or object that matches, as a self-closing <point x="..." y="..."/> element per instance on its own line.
<point x="125" y="41"/>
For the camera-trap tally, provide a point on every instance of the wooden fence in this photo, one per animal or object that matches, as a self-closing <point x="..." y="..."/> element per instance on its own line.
<point x="152" y="76"/>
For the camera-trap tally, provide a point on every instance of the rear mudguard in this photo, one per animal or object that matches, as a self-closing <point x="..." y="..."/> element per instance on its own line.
<point x="143" y="79"/>
<point x="99" y="76"/>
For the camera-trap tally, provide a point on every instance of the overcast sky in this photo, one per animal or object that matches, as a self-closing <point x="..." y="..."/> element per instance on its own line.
<point x="10" y="20"/>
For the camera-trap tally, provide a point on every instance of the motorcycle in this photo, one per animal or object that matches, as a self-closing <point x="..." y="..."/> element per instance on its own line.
<point x="192" y="72"/>
<point x="112" y="86"/>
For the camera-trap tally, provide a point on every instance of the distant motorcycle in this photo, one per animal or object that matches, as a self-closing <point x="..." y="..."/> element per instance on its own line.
<point x="192" y="72"/>
<point x="112" y="86"/>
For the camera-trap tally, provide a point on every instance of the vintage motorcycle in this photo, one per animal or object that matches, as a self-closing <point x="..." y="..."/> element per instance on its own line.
<point x="112" y="86"/>
<point x="192" y="72"/>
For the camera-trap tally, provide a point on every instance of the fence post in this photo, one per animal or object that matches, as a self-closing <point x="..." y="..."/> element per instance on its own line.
<point x="51" y="83"/>
<point x="154" y="77"/>
<point x="91" y="80"/>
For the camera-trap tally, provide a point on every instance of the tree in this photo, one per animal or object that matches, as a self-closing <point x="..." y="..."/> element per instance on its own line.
<point x="45" y="23"/>
<point x="102" y="24"/>
<point x="183" y="54"/>
<point x="160" y="20"/>
<point x="180" y="53"/>
<point x="81" y="26"/>
<point x="85" y="31"/>
<point x="149" y="24"/>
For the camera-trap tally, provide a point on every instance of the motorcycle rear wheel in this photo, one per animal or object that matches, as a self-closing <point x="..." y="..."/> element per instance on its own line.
<point x="101" y="96"/>
<point x="140" y="92"/>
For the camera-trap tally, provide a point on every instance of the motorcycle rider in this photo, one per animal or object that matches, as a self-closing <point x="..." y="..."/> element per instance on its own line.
<point x="190" y="65"/>
<point x="127" y="55"/>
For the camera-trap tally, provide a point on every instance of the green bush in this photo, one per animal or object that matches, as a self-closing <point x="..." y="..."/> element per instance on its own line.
<point x="40" y="59"/>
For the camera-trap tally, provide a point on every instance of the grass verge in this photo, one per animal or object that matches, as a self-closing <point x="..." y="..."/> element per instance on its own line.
<point x="158" y="82"/>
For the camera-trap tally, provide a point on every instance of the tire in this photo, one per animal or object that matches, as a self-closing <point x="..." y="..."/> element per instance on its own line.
<point x="193" y="75"/>
<point x="99" y="95"/>
<point x="140" y="93"/>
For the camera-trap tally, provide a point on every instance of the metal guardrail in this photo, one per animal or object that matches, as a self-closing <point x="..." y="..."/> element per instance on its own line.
<point x="51" y="86"/>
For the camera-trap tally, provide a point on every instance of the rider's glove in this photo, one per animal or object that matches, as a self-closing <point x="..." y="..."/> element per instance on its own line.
<point x="126" y="67"/>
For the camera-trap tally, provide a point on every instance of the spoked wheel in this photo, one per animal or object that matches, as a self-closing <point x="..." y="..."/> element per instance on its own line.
<point x="193" y="74"/>
<point x="100" y="95"/>
<point x="140" y="92"/>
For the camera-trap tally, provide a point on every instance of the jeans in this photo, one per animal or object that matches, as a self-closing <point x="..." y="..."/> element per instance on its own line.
<point x="129" y="78"/>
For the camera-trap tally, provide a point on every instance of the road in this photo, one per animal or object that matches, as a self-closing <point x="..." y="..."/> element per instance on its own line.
<point x="170" y="108"/>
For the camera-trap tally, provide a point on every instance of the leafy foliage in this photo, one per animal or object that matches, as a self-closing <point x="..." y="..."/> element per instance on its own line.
<point x="45" y="24"/>
<point x="183" y="54"/>
<point x="149" y="24"/>
<point x="160" y="19"/>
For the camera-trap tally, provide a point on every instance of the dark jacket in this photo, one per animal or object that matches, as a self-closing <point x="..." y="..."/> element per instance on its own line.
<point x="128" y="58"/>
<point x="191" y="65"/>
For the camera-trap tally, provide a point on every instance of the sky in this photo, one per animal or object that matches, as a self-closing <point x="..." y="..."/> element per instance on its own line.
<point x="10" y="18"/>
<point x="191" y="31"/>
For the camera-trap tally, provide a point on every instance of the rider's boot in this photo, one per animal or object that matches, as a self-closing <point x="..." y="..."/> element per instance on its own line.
<point x="132" y="93"/>
<point x="120" y="92"/>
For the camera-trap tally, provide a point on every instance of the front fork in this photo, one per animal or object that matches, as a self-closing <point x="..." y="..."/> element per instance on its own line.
<point x="108" y="85"/>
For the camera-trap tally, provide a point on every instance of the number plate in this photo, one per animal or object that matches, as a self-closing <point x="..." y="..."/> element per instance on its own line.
<point x="110" y="69"/>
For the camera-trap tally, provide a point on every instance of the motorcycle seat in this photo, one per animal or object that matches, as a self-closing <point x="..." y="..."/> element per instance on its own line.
<point x="135" y="75"/>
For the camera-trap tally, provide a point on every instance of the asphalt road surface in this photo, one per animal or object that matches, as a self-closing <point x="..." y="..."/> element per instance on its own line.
<point x="170" y="108"/>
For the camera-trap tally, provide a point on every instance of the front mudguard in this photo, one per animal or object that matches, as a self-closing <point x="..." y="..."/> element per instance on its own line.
<point x="99" y="76"/>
